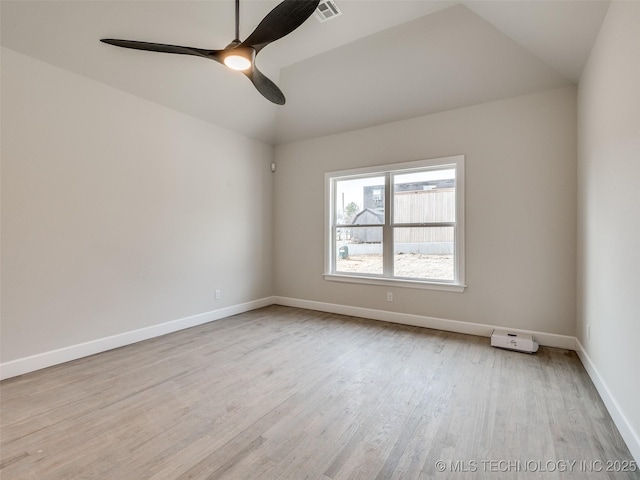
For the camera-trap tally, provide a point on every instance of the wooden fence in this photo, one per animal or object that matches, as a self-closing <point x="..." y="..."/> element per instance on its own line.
<point x="421" y="206"/>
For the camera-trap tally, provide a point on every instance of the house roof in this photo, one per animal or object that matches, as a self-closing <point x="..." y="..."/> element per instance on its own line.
<point x="379" y="214"/>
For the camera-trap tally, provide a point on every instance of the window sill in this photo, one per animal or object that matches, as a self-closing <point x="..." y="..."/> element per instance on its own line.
<point x="445" y="287"/>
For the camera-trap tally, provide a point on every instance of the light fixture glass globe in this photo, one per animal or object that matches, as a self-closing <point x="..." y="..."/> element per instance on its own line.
<point x="237" y="62"/>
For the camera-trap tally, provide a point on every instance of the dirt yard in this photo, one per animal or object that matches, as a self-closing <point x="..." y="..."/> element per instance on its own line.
<point x="406" y="265"/>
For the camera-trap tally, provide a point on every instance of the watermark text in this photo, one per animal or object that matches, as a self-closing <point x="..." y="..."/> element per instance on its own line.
<point x="535" y="466"/>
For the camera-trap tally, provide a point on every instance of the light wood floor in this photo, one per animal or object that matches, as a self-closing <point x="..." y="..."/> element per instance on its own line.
<point x="284" y="393"/>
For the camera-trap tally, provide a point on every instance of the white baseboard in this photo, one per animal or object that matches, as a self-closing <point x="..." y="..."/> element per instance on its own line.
<point x="73" y="352"/>
<point x="630" y="436"/>
<point x="482" y="330"/>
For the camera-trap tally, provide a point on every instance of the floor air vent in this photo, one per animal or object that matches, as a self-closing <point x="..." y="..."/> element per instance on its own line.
<point x="520" y="342"/>
<point x="327" y="10"/>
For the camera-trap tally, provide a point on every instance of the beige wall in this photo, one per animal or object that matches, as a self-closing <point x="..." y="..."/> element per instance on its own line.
<point x="119" y="214"/>
<point x="520" y="211"/>
<point x="609" y="215"/>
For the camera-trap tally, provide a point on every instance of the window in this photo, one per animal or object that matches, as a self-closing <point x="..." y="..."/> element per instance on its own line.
<point x="399" y="224"/>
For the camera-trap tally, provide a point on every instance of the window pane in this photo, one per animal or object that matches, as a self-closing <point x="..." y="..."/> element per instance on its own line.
<point x="425" y="253"/>
<point x="360" y="201"/>
<point x="359" y="250"/>
<point x="427" y="196"/>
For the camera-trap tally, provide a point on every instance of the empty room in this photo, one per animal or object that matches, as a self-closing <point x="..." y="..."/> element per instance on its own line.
<point x="320" y="239"/>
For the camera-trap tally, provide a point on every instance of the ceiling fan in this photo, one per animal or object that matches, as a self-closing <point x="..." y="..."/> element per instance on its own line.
<point x="240" y="55"/>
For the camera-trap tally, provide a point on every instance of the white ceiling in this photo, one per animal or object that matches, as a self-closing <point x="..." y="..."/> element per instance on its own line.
<point x="381" y="61"/>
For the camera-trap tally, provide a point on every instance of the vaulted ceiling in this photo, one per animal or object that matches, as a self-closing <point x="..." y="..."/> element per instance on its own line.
<point x="382" y="60"/>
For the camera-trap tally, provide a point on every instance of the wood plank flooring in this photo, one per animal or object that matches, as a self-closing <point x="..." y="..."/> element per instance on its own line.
<point x="285" y="393"/>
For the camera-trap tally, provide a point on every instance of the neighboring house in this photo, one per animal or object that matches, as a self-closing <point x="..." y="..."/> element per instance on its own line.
<point x="373" y="195"/>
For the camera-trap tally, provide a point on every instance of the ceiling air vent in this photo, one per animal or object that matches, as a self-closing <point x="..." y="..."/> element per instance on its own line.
<point x="327" y="9"/>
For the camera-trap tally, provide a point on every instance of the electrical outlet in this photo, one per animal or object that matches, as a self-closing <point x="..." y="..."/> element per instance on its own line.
<point x="389" y="297"/>
<point x="218" y="294"/>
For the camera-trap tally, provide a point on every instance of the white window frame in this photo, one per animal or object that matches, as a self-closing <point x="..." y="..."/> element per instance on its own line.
<point x="388" y="171"/>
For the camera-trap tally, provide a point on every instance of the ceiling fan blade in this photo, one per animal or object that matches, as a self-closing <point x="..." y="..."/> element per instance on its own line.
<point x="266" y="87"/>
<point x="161" y="47"/>
<point x="280" y="21"/>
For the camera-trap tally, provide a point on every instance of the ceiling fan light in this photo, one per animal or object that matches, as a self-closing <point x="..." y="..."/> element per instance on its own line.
<point x="238" y="58"/>
<point x="237" y="62"/>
